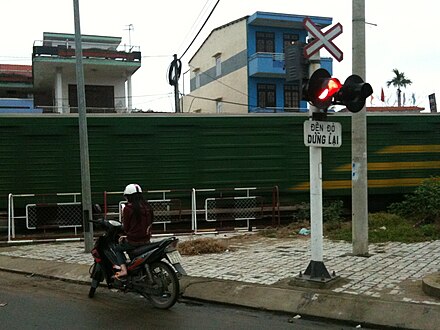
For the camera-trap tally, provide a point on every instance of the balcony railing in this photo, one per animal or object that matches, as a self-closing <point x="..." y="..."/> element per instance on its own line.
<point x="65" y="109"/>
<point x="267" y="65"/>
<point x="276" y="110"/>
<point x="90" y="50"/>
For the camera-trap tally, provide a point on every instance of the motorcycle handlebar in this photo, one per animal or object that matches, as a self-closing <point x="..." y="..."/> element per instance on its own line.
<point x="97" y="221"/>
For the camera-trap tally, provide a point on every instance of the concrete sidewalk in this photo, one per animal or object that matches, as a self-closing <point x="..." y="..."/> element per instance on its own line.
<point x="383" y="290"/>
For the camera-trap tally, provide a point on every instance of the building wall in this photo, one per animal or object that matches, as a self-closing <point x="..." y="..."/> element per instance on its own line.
<point x="230" y="88"/>
<point x="279" y="82"/>
<point x="235" y="42"/>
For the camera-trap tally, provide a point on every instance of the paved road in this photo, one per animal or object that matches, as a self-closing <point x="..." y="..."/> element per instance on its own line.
<point x="32" y="302"/>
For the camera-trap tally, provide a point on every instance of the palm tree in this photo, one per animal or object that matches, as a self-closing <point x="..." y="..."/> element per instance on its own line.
<point x="399" y="81"/>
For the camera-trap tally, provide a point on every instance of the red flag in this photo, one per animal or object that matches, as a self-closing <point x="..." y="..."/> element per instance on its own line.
<point x="382" y="96"/>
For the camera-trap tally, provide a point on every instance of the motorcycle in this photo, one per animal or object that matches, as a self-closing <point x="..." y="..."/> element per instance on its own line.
<point x="153" y="269"/>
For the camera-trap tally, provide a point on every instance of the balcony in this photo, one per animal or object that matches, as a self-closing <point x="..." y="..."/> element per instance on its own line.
<point x="267" y="65"/>
<point x="103" y="61"/>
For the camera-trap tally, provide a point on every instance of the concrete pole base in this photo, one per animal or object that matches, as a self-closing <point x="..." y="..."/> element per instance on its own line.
<point x="317" y="272"/>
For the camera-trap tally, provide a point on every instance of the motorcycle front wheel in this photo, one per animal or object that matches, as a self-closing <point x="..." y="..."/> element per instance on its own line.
<point x="166" y="286"/>
<point x="97" y="276"/>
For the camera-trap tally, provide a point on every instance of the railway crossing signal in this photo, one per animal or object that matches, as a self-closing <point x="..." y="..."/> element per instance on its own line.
<point x="322" y="90"/>
<point x="353" y="93"/>
<point x="322" y="40"/>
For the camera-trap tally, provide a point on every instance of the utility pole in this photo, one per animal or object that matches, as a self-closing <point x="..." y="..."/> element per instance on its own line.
<point x="176" y="85"/>
<point x="359" y="139"/>
<point x="83" y="138"/>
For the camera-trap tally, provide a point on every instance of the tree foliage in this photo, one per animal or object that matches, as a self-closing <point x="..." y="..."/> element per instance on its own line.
<point x="399" y="80"/>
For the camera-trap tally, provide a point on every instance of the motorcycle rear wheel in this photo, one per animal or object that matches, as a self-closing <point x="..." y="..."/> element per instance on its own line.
<point x="166" y="285"/>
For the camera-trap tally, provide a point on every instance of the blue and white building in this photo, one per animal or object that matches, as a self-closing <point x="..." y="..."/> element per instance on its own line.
<point x="240" y="67"/>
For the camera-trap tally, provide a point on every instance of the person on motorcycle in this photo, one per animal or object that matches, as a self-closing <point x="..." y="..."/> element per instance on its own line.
<point x="137" y="220"/>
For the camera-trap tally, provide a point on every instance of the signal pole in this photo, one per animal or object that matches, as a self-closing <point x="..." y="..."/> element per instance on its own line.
<point x="83" y="138"/>
<point x="316" y="270"/>
<point x="359" y="140"/>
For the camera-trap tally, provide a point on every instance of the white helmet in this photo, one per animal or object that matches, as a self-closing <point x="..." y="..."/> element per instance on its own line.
<point x="132" y="188"/>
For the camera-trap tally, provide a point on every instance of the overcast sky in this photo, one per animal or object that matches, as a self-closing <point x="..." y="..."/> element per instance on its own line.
<point x="404" y="36"/>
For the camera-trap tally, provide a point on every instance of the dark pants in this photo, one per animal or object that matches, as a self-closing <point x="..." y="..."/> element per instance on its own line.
<point x="119" y="251"/>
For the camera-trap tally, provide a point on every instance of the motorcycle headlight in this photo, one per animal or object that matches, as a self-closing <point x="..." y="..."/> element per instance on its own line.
<point x="114" y="223"/>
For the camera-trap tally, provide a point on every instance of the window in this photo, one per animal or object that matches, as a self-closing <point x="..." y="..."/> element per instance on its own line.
<point x="197" y="76"/>
<point x="102" y="97"/>
<point x="266" y="95"/>
<point x="218" y="66"/>
<point x="218" y="106"/>
<point x="265" y="42"/>
<point x="291" y="96"/>
<point x="289" y="39"/>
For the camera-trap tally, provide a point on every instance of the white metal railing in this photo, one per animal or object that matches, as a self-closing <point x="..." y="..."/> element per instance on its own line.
<point x="67" y="215"/>
<point x="36" y="201"/>
<point x="221" y="203"/>
<point x="207" y="205"/>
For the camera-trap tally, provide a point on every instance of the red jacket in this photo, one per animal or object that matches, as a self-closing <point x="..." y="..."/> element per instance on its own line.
<point x="138" y="231"/>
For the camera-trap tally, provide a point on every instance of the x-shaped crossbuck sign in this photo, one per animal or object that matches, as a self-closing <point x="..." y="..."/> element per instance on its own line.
<point x="322" y="40"/>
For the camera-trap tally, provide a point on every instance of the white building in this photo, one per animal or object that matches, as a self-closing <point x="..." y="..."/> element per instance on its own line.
<point x="108" y="69"/>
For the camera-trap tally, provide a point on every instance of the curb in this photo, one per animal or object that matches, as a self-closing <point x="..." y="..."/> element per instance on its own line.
<point x="431" y="285"/>
<point x="315" y="303"/>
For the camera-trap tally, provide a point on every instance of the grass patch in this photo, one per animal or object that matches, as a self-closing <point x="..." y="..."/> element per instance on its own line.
<point x="382" y="227"/>
<point x="387" y="227"/>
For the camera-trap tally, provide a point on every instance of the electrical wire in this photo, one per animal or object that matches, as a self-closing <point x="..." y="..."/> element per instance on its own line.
<point x="196" y="22"/>
<point x="223" y="101"/>
<point x="154" y="56"/>
<point x="222" y="83"/>
<point x="200" y="30"/>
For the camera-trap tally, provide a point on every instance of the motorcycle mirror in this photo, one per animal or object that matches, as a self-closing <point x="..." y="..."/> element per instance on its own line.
<point x="97" y="208"/>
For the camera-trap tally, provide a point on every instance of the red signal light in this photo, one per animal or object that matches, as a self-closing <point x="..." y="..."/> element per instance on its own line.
<point x="321" y="88"/>
<point x="333" y="86"/>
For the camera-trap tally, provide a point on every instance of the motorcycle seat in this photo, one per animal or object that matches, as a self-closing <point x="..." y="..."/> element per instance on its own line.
<point x="143" y="248"/>
<point x="150" y="246"/>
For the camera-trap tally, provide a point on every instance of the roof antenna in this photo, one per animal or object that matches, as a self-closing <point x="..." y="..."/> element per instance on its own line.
<point x="130" y="28"/>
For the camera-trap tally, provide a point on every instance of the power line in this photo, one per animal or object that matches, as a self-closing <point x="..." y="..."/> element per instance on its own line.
<point x="132" y="96"/>
<point x="200" y="30"/>
<point x="224" y="101"/>
<point x="195" y="23"/>
<point x="155" y="56"/>
<point x="222" y="83"/>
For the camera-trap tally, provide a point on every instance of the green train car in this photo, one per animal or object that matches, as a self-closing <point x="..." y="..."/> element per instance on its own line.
<point x="39" y="154"/>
